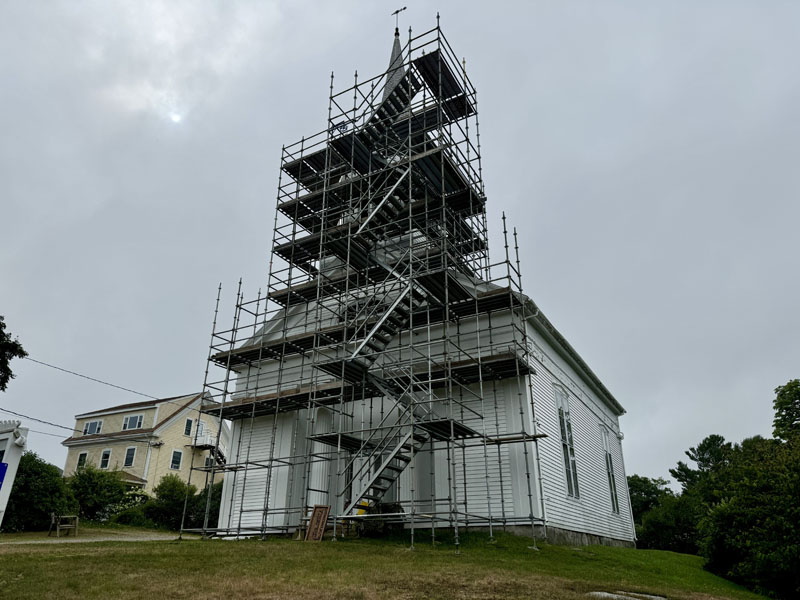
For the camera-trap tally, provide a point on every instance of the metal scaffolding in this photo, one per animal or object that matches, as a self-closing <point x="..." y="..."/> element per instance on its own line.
<point x="372" y="361"/>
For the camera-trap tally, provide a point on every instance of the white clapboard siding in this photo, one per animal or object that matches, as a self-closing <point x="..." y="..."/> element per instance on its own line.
<point x="509" y="406"/>
<point x="592" y="511"/>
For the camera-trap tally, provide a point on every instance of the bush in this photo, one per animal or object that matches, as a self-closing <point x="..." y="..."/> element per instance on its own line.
<point x="672" y="524"/>
<point x="134" y="516"/>
<point x="167" y="507"/>
<point x="196" y="511"/>
<point x="38" y="491"/>
<point x="97" y="492"/>
<point x="133" y="498"/>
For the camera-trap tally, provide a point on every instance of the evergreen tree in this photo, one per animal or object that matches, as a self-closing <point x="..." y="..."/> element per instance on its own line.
<point x="9" y="348"/>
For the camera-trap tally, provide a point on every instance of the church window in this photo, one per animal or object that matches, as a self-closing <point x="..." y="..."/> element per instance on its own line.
<point x="612" y="480"/>
<point x="567" y="445"/>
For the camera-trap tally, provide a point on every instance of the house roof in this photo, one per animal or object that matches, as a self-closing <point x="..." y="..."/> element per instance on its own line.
<point x="133" y="405"/>
<point x="131" y="433"/>
<point x="130" y="477"/>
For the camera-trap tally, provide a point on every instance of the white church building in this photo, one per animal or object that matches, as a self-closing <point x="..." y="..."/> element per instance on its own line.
<point x="391" y="372"/>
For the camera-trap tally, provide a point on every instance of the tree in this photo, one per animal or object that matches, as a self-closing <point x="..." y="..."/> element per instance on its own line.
<point x="38" y="490"/>
<point x="709" y="455"/>
<point x="787" y="410"/>
<point x="645" y="494"/>
<point x="8" y="349"/>
<point x="97" y="492"/>
<point x="753" y="535"/>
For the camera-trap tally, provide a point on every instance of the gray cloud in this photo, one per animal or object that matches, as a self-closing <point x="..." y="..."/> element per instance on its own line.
<point x="645" y="151"/>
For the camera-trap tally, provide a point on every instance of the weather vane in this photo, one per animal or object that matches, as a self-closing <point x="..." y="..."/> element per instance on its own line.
<point x="396" y="15"/>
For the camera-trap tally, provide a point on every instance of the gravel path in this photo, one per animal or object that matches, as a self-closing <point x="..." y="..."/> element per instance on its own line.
<point x="110" y="537"/>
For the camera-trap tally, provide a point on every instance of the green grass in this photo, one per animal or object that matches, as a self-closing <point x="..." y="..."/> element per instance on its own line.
<point x="352" y="568"/>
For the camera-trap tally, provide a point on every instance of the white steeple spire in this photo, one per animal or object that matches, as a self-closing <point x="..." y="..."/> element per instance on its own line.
<point x="395" y="71"/>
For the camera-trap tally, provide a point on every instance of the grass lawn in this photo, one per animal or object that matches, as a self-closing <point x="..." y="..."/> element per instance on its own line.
<point x="353" y="568"/>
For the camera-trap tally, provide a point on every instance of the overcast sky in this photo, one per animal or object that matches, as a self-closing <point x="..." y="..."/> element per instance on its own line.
<point x="647" y="151"/>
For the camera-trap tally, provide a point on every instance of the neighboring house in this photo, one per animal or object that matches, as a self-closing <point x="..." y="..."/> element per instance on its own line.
<point x="12" y="444"/>
<point x="147" y="440"/>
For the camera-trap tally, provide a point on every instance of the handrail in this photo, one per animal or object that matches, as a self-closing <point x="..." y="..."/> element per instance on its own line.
<point x="382" y="202"/>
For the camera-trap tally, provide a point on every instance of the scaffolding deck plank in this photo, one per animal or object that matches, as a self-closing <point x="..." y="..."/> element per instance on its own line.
<point x="502" y="365"/>
<point x="290" y="399"/>
<point x="447" y="429"/>
<point x="441" y="80"/>
<point x="307" y="209"/>
<point x="343" y="441"/>
<point x="490" y="301"/>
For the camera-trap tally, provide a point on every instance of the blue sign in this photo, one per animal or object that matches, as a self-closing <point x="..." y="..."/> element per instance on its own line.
<point x="3" y="469"/>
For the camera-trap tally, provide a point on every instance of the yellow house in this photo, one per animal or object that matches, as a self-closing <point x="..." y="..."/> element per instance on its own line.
<point x="147" y="440"/>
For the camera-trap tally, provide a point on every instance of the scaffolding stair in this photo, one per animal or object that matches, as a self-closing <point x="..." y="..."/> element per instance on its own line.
<point x="370" y="344"/>
<point x="365" y="494"/>
<point x="218" y="455"/>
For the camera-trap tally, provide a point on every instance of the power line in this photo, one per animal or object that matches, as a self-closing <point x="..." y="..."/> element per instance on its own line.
<point x="11" y="412"/>
<point x="119" y="387"/>
<point x="175" y="402"/>
<point x="70" y="429"/>
<point x="46" y="433"/>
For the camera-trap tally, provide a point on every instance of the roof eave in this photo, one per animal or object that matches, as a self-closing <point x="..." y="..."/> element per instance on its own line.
<point x="110" y="437"/>
<point x="543" y="325"/>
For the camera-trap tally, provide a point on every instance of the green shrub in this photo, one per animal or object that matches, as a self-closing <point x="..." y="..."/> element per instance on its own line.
<point x="166" y="509"/>
<point x="672" y="524"/>
<point x="135" y="516"/>
<point x="131" y="499"/>
<point x="196" y="511"/>
<point x="38" y="491"/>
<point x="97" y="492"/>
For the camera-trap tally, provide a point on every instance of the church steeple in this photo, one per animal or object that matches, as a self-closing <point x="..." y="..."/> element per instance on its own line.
<point x="395" y="71"/>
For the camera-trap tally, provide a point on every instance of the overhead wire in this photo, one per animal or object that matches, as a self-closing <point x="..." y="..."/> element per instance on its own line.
<point x="95" y="439"/>
<point x="160" y="400"/>
<point x="108" y="437"/>
<point x="90" y="378"/>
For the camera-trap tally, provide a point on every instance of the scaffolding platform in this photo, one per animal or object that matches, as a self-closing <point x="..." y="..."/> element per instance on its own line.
<point x="383" y="320"/>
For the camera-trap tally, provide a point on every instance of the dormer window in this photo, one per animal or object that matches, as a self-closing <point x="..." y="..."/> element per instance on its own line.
<point x="92" y="427"/>
<point x="132" y="422"/>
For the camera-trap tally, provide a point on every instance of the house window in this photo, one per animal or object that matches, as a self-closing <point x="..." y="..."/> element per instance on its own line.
<point x="567" y="446"/>
<point x="105" y="457"/>
<point x="92" y="427"/>
<point x="201" y="428"/>
<point x="187" y="429"/>
<point x="3" y="449"/>
<point x="175" y="463"/>
<point x="209" y="462"/>
<point x="612" y="480"/>
<point x="82" y="460"/>
<point x="130" y="456"/>
<point x="132" y="422"/>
